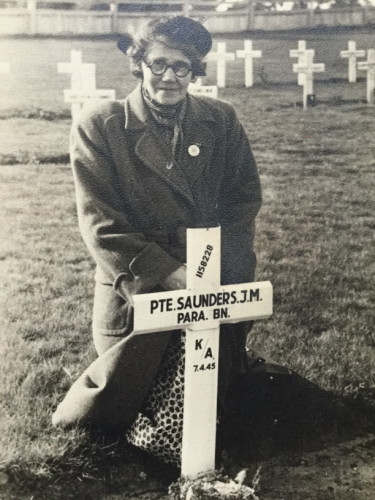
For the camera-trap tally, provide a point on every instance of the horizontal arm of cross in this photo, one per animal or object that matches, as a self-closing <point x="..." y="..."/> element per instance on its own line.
<point x="250" y="53"/>
<point x="303" y="68"/>
<point x="300" y="53"/>
<point x="366" y="65"/>
<point x="83" y="96"/>
<point x="202" y="309"/>
<point x="353" y="53"/>
<point x="221" y="56"/>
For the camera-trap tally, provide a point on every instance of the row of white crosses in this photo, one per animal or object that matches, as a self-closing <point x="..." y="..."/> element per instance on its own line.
<point x="222" y="56"/>
<point x="305" y="67"/>
<point x="83" y="83"/>
<point x="352" y="54"/>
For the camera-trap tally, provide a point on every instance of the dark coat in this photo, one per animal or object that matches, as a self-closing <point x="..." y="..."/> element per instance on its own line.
<point x="133" y="210"/>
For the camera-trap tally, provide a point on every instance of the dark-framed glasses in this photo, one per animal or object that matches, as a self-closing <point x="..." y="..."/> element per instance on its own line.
<point x="160" y="66"/>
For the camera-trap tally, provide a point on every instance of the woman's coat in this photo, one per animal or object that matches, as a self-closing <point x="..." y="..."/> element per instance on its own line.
<point x="135" y="202"/>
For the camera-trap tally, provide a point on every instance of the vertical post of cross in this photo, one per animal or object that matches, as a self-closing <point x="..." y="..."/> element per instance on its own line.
<point x="308" y="68"/>
<point x="248" y="54"/>
<point x="221" y="57"/>
<point x="202" y="349"/>
<point x="369" y="66"/>
<point x="200" y="309"/>
<point x="300" y="53"/>
<point x="352" y="54"/>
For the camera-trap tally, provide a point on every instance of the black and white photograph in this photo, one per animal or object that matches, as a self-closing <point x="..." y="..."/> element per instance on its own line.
<point x="187" y="251"/>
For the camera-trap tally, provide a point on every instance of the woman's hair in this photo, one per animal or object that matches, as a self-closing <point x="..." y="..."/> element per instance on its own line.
<point x="178" y="33"/>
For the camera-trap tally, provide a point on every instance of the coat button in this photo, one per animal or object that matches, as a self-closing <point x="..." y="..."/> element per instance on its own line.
<point x="194" y="150"/>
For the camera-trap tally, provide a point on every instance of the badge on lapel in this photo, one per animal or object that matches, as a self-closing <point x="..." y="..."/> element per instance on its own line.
<point x="194" y="150"/>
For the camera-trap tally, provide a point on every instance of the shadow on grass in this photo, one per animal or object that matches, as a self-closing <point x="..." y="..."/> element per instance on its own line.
<point x="285" y="413"/>
<point x="272" y="414"/>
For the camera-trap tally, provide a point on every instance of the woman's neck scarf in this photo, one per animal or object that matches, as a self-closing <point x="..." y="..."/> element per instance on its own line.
<point x="165" y="115"/>
<point x="170" y="117"/>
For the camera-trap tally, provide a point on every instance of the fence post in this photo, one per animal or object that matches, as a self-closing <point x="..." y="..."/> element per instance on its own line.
<point x="31" y="7"/>
<point x="186" y="8"/>
<point x="114" y="12"/>
<point x="364" y="14"/>
<point x="310" y="13"/>
<point x="250" y="14"/>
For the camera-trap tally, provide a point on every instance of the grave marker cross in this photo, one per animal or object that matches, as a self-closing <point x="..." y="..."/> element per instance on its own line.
<point x="300" y="53"/>
<point x="308" y="68"/>
<point x="248" y="54"/>
<point x="200" y="309"/>
<point x="352" y="54"/>
<point x="369" y="66"/>
<point x="221" y="56"/>
<point x="83" y="76"/>
<point x="83" y="83"/>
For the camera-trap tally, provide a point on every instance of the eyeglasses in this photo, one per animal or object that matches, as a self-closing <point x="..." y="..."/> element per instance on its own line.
<point x="160" y="66"/>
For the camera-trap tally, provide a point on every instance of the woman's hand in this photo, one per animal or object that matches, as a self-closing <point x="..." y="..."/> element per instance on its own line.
<point x="176" y="280"/>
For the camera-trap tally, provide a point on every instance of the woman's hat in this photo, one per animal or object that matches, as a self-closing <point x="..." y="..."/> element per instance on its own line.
<point x="179" y="29"/>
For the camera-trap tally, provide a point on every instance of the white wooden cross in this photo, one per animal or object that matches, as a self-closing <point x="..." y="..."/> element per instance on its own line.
<point x="248" y="54"/>
<point x="83" y="83"/>
<point x="4" y="67"/>
<point x="197" y="88"/>
<point x="221" y="56"/>
<point x="83" y="75"/>
<point x="369" y="66"/>
<point x="352" y="54"/>
<point x="308" y="68"/>
<point x="200" y="309"/>
<point x="301" y="53"/>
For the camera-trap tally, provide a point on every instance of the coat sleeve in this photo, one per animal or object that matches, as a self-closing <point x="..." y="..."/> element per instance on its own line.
<point x="241" y="200"/>
<point x="134" y="264"/>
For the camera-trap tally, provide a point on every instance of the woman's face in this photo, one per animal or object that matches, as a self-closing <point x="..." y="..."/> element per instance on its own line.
<point x="168" y="88"/>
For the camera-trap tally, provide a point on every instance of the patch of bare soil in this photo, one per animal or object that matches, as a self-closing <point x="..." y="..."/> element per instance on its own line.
<point x="307" y="444"/>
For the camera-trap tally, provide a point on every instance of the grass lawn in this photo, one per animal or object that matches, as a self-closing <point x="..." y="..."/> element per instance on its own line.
<point x="314" y="243"/>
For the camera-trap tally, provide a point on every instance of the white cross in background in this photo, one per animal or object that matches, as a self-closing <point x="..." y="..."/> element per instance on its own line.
<point x="4" y="67"/>
<point x="83" y="83"/>
<point x="369" y="66"/>
<point x="200" y="309"/>
<point x="83" y="75"/>
<point x="301" y="54"/>
<point x="197" y="88"/>
<point x="308" y="68"/>
<point x="221" y="56"/>
<point x="352" y="54"/>
<point x="248" y="54"/>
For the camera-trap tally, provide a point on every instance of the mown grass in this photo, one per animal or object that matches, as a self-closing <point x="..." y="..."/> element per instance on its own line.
<point x="314" y="242"/>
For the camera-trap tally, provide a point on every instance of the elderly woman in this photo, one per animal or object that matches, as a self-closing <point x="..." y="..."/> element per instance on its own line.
<point x="145" y="169"/>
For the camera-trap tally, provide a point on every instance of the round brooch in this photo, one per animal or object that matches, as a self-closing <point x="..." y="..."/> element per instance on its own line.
<point x="194" y="150"/>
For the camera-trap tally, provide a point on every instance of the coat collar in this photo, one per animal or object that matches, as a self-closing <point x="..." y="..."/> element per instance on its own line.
<point x="137" y="117"/>
<point x="151" y="151"/>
